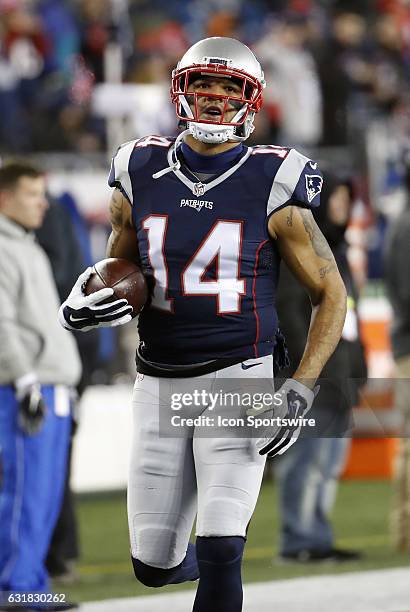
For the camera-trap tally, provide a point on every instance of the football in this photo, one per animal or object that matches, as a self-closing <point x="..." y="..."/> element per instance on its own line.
<point x="125" y="277"/>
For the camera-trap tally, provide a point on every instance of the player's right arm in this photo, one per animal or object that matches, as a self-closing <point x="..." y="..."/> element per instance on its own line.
<point x="122" y="241"/>
<point x="82" y="312"/>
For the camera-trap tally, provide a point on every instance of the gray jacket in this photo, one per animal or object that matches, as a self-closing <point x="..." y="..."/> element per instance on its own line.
<point x="31" y="339"/>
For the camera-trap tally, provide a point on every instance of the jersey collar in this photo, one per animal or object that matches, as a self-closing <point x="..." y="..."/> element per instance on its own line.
<point x="210" y="164"/>
<point x="199" y="188"/>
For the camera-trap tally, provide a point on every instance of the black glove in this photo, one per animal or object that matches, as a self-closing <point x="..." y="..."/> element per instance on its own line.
<point x="32" y="409"/>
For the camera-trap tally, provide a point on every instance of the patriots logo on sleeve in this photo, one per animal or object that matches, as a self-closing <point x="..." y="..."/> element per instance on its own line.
<point x="314" y="183"/>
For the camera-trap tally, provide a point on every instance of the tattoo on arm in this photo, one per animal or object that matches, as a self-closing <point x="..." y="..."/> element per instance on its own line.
<point x="116" y="220"/>
<point x="307" y="253"/>
<point x="289" y="217"/>
<point x="122" y="241"/>
<point x="325" y="270"/>
<point x="113" y="241"/>
<point x="116" y="210"/>
<point x="318" y="241"/>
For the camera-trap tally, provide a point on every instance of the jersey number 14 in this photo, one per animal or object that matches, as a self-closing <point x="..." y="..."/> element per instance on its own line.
<point x="222" y="246"/>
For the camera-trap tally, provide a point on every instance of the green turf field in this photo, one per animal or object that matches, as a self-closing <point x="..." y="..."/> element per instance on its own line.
<point x="360" y="520"/>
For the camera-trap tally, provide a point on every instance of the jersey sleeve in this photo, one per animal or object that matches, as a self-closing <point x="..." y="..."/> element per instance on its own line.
<point x="298" y="180"/>
<point x="119" y="176"/>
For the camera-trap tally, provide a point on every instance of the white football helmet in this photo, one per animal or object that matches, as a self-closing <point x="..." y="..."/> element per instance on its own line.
<point x="225" y="58"/>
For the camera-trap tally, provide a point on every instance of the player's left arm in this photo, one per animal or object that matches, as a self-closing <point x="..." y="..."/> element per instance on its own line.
<point x="307" y="254"/>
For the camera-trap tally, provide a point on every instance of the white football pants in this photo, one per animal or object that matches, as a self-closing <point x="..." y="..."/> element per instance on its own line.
<point x="172" y="479"/>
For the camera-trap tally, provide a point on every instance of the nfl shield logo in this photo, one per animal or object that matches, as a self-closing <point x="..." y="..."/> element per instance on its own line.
<point x="314" y="184"/>
<point x="198" y="189"/>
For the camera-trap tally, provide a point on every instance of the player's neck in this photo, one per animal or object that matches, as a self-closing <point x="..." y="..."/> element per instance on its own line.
<point x="209" y="149"/>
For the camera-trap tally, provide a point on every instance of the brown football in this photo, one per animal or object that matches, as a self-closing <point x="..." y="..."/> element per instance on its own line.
<point x="125" y="277"/>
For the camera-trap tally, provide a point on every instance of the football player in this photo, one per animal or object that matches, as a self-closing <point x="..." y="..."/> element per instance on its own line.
<point x="210" y="219"/>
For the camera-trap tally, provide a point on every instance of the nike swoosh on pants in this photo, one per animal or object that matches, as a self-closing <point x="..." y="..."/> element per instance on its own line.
<point x="246" y="366"/>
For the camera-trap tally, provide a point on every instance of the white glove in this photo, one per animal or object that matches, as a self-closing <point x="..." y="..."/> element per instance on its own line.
<point x="292" y="401"/>
<point x="82" y="312"/>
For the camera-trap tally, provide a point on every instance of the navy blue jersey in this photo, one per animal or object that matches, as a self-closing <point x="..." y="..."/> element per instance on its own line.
<point x="208" y="248"/>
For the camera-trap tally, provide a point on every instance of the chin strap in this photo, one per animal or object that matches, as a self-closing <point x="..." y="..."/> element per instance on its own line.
<point x="210" y="134"/>
<point x="218" y="133"/>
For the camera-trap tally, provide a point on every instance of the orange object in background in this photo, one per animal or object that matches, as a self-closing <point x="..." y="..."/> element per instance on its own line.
<point x="375" y="335"/>
<point x="375" y="457"/>
<point x="371" y="458"/>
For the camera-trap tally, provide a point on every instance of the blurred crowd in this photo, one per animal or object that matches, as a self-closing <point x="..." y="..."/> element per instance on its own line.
<point x="332" y="66"/>
<point x="334" y="69"/>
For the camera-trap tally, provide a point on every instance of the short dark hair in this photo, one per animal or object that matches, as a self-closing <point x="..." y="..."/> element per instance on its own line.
<point x="12" y="172"/>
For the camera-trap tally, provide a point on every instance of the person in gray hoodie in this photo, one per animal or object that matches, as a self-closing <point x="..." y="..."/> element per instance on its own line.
<point x="39" y="363"/>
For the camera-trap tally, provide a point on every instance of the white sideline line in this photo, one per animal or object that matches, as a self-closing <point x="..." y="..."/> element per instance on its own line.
<point x="372" y="591"/>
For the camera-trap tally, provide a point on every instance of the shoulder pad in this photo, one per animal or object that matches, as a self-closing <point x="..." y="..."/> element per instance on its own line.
<point x="274" y="150"/>
<point x="121" y="162"/>
<point x="298" y="180"/>
<point x="119" y="172"/>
